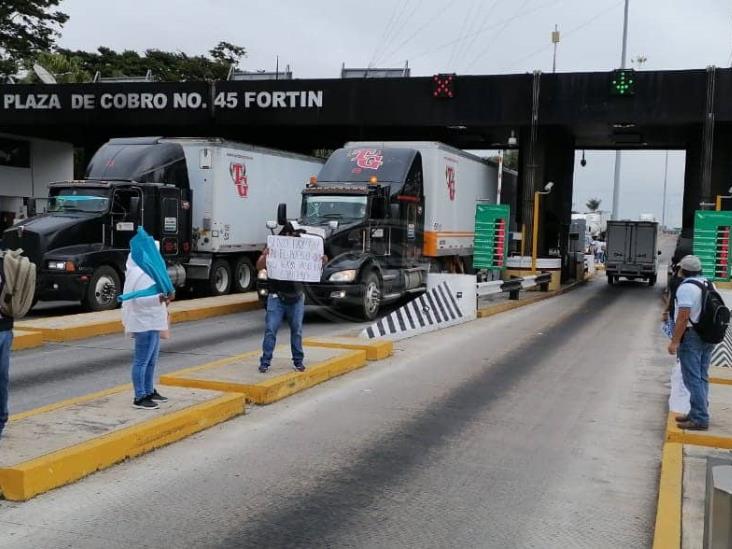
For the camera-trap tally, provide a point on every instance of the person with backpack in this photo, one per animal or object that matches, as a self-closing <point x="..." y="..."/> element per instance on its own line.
<point x="17" y="290"/>
<point x="701" y="320"/>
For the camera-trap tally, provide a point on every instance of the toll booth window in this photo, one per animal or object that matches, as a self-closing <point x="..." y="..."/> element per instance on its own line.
<point x="14" y="153"/>
<point x="79" y="200"/>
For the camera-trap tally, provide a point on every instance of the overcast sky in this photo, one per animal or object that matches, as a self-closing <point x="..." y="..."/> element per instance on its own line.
<point x="464" y="36"/>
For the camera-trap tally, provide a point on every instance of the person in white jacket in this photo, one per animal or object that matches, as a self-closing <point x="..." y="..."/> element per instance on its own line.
<point x="144" y="318"/>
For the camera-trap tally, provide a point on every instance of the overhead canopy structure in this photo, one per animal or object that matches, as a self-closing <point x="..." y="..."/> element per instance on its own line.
<point x="550" y="114"/>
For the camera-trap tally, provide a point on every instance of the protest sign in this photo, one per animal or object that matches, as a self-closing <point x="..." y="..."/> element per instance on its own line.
<point x="292" y="258"/>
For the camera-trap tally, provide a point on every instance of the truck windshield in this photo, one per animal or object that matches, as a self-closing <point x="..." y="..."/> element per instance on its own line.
<point x="317" y="208"/>
<point x="79" y="200"/>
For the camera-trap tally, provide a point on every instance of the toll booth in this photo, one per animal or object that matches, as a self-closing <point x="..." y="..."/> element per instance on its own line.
<point x="712" y="243"/>
<point x="490" y="245"/>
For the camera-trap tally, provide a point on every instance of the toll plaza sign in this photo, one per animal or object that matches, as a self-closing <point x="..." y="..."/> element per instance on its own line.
<point x="162" y="101"/>
<point x="152" y="103"/>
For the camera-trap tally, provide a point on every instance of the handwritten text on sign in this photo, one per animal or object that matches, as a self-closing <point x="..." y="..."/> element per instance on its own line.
<point x="295" y="258"/>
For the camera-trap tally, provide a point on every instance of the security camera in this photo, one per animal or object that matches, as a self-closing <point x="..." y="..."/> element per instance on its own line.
<point x="548" y="186"/>
<point x="512" y="140"/>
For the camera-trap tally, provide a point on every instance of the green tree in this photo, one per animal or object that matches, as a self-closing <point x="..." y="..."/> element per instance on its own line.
<point x="65" y="69"/>
<point x="593" y="204"/>
<point x="226" y="52"/>
<point x="27" y="27"/>
<point x="165" y="66"/>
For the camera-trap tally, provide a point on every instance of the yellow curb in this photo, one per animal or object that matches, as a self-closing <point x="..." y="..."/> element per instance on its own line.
<point x="109" y="322"/>
<point x="723" y="285"/>
<point x="25" y="480"/>
<point x="510" y="305"/>
<point x="695" y="438"/>
<point x="667" y="533"/>
<point x="23" y="339"/>
<point x="721" y="375"/>
<point x="70" y="402"/>
<point x="376" y="349"/>
<point x="276" y="388"/>
<point x="60" y="335"/>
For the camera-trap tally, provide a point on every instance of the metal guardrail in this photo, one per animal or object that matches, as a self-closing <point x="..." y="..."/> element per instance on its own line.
<point x="514" y="285"/>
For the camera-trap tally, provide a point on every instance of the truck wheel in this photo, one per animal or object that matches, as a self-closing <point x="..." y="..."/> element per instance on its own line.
<point x="219" y="280"/>
<point x="102" y="291"/>
<point x="243" y="275"/>
<point x="371" y="296"/>
<point x="610" y="280"/>
<point x="652" y="280"/>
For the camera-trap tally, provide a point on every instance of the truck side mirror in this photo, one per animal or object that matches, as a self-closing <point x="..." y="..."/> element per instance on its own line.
<point x="134" y="208"/>
<point x="282" y="214"/>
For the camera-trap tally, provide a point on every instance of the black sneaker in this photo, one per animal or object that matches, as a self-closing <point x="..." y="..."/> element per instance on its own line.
<point x="145" y="404"/>
<point x="263" y="368"/>
<point x="156" y="396"/>
<point x="298" y="367"/>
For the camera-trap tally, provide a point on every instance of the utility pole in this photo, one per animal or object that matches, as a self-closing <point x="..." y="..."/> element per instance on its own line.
<point x="555" y="41"/>
<point x="616" y="177"/>
<point x="665" y="180"/>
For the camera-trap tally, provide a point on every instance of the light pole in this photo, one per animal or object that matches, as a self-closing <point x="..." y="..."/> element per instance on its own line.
<point x="555" y="41"/>
<point x="535" y="229"/>
<point x="718" y="203"/>
<point x="616" y="176"/>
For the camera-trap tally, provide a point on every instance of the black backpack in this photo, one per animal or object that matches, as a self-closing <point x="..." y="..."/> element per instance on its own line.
<point x="715" y="315"/>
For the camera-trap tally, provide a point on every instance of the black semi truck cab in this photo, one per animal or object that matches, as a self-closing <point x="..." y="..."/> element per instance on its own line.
<point x="80" y="245"/>
<point x="373" y="231"/>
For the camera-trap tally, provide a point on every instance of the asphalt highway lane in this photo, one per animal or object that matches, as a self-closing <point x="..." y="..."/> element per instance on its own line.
<point x="540" y="427"/>
<point x="57" y="372"/>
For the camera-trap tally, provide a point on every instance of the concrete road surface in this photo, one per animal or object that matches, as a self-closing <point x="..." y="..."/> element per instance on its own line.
<point x="541" y="427"/>
<point x="56" y="372"/>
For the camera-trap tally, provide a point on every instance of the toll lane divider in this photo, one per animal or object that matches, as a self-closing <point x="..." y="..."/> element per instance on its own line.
<point x="25" y="339"/>
<point x="65" y="441"/>
<point x="668" y="530"/>
<point x="86" y="325"/>
<point x="59" y="444"/>
<point x="239" y="374"/>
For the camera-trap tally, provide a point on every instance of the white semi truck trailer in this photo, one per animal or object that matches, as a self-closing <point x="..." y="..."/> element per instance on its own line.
<point x="206" y="200"/>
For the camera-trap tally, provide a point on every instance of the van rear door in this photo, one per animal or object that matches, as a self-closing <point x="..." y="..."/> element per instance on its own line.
<point x="618" y="243"/>
<point x="644" y="243"/>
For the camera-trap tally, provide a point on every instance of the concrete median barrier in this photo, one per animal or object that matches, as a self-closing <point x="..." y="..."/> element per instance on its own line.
<point x="86" y="325"/>
<point x="24" y="339"/>
<point x="58" y="444"/>
<point x="239" y="374"/>
<point x="376" y="349"/>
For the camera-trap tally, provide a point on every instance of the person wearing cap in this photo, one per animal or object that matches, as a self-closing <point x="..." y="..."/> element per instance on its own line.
<point x="694" y="354"/>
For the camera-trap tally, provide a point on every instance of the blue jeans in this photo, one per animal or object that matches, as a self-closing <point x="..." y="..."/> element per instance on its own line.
<point x="277" y="310"/>
<point x="695" y="356"/>
<point x="6" y="341"/>
<point x="147" y="349"/>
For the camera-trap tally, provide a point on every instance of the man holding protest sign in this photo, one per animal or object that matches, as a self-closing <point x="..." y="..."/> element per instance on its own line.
<point x="290" y="260"/>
